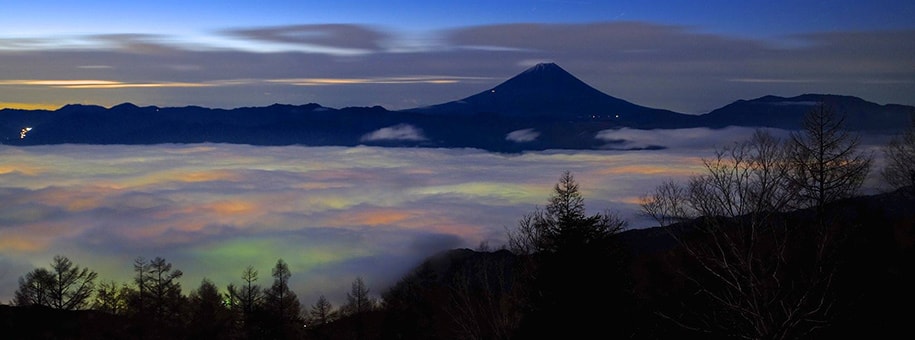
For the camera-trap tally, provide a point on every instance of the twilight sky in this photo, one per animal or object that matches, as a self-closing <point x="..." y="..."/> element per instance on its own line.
<point x="676" y="55"/>
<point x="335" y="213"/>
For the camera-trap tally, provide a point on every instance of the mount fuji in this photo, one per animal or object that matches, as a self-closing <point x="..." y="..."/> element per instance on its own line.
<point x="544" y="107"/>
<point x="547" y="91"/>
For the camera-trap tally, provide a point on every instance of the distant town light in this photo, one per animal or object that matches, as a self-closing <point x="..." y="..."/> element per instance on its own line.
<point x="24" y="132"/>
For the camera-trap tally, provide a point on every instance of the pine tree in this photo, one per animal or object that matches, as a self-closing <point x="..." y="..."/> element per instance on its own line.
<point x="358" y="300"/>
<point x="322" y="312"/>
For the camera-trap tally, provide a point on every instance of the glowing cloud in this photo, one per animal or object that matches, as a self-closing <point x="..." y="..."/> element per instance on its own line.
<point x="333" y="213"/>
<point x="399" y="132"/>
<point x="375" y="80"/>
<point x="98" y="84"/>
<point x="522" y="136"/>
<point x="692" y="138"/>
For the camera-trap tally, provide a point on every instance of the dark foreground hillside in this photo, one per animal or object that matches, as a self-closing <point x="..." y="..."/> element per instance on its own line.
<point x="477" y="294"/>
<point x="467" y="294"/>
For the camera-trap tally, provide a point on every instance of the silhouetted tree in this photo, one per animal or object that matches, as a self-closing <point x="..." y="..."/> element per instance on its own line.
<point x="756" y="273"/>
<point x="357" y="307"/>
<point x="249" y="295"/>
<point x="164" y="288"/>
<point x="562" y="224"/>
<point x="110" y="297"/>
<point x="484" y="299"/>
<point x="279" y="299"/>
<point x="281" y="304"/>
<point x="322" y="312"/>
<point x="358" y="299"/>
<point x="247" y="301"/>
<point x="65" y="286"/>
<point x="72" y="285"/>
<point x="210" y="318"/>
<point x="576" y="265"/>
<point x="899" y="154"/>
<point x="138" y="299"/>
<point x="35" y="288"/>
<point x="157" y="303"/>
<point x="826" y="164"/>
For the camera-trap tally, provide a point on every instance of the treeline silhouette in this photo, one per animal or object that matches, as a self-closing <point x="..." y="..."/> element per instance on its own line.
<point x="771" y="241"/>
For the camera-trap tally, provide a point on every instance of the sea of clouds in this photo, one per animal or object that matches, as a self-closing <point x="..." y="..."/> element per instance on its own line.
<point x="332" y="213"/>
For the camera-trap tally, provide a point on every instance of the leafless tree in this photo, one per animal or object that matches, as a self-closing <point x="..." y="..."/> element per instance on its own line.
<point x="249" y="295"/>
<point x="72" y="285"/>
<point x="34" y="288"/>
<point x="65" y="286"/>
<point x="358" y="299"/>
<point x="484" y="302"/>
<point x="751" y="267"/>
<point x="826" y="163"/>
<point x="899" y="155"/>
<point x="246" y="300"/>
<point x="158" y="295"/>
<point x="111" y="297"/>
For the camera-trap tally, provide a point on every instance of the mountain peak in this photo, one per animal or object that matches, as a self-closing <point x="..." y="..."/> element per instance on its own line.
<point x="546" y="79"/>
<point x="546" y="90"/>
<point x="125" y="106"/>
<point x="544" y="67"/>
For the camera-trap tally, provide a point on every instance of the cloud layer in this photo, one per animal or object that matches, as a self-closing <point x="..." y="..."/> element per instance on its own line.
<point x="332" y="213"/>
<point x="662" y="66"/>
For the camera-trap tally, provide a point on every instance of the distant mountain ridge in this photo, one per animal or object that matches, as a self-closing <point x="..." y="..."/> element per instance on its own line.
<point x="781" y="112"/>
<point x="545" y="105"/>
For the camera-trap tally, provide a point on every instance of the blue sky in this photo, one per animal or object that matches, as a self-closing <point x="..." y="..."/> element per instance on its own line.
<point x="685" y="56"/>
<point x="756" y="18"/>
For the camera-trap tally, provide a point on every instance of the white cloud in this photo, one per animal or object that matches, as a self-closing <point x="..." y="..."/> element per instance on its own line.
<point x="522" y="136"/>
<point x="692" y="138"/>
<point x="404" y="132"/>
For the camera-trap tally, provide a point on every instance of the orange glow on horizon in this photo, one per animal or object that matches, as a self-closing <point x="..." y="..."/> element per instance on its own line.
<point x="28" y="106"/>
<point x="374" y="218"/>
<point x="209" y="176"/>
<point x="232" y="207"/>
<point x="652" y="170"/>
<point x="25" y="170"/>
<point x="18" y="243"/>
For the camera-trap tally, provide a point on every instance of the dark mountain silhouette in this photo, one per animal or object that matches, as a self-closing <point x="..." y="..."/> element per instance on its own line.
<point x="551" y="108"/>
<point x="787" y="113"/>
<point x="546" y="91"/>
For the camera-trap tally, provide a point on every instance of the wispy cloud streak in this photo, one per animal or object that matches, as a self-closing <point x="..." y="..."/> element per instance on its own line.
<point x="664" y="66"/>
